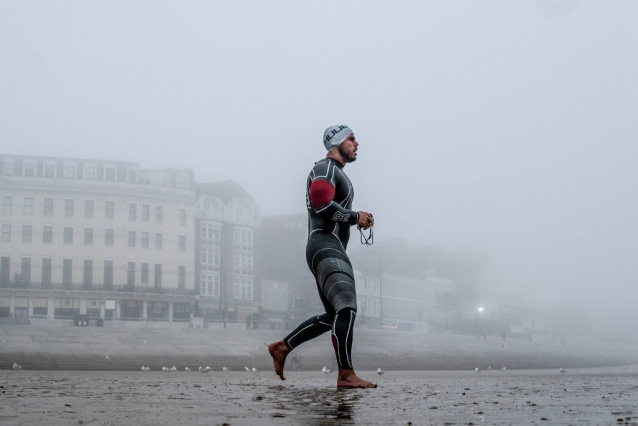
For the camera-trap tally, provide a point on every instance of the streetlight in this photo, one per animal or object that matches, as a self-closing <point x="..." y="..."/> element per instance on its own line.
<point x="478" y="311"/>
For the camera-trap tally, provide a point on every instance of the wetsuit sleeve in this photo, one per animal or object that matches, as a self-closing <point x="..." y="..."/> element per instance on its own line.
<point x="322" y="194"/>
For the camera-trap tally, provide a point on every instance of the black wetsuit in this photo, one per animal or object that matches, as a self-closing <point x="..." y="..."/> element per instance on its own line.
<point x="329" y="195"/>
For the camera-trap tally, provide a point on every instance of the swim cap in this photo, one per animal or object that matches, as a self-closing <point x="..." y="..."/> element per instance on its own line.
<point x="335" y="135"/>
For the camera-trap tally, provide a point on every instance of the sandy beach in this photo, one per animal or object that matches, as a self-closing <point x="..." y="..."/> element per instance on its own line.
<point x="597" y="396"/>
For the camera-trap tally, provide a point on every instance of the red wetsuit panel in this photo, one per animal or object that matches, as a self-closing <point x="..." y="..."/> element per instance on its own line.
<point x="322" y="192"/>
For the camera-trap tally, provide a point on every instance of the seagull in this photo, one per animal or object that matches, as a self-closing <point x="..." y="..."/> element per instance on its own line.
<point x="503" y="369"/>
<point x="107" y="358"/>
<point x="16" y="366"/>
<point x="144" y="341"/>
<point x="489" y="367"/>
<point x="148" y="368"/>
<point x="200" y="368"/>
<point x="166" y="369"/>
<point x="207" y="369"/>
<point x="255" y="370"/>
<point x="326" y="370"/>
<point x="562" y="370"/>
<point x="173" y="368"/>
<point x="187" y="369"/>
<point x="247" y="369"/>
<point x="225" y="369"/>
<point x="143" y="368"/>
<point x="379" y="371"/>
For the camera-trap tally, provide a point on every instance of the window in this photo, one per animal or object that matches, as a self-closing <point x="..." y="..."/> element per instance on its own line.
<point x="87" y="276"/>
<point x="182" y="243"/>
<point x="211" y="231"/>
<point x="109" y="209"/>
<point x="27" y="206"/>
<point x="181" y="277"/>
<point x="243" y="288"/>
<point x="108" y="275"/>
<point x="29" y="169"/>
<point x="209" y="284"/>
<point x="182" y="182"/>
<point x="88" y="235"/>
<point x="210" y="255"/>
<point x="88" y="208"/>
<point x="130" y="275"/>
<point x="6" y="232"/>
<point x="243" y="237"/>
<point x="132" y="176"/>
<point x="182" y="217"/>
<point x="5" y="270"/>
<point x="68" y="208"/>
<point x="109" y="237"/>
<point x="146" y="212"/>
<point x="111" y="174"/>
<point x="243" y="263"/>
<point x="48" y="206"/>
<point x="69" y="171"/>
<point x="144" y="276"/>
<point x="8" y="167"/>
<point x="89" y="172"/>
<point x="158" y="241"/>
<point x="46" y="272"/>
<point x="131" y="238"/>
<point x="132" y="212"/>
<point x="67" y="272"/>
<point x="26" y="233"/>
<point x="47" y="234"/>
<point x="25" y="270"/>
<point x="68" y="235"/>
<point x="145" y="240"/>
<point x="158" y="276"/>
<point x="159" y="214"/>
<point x="7" y="204"/>
<point x="49" y="170"/>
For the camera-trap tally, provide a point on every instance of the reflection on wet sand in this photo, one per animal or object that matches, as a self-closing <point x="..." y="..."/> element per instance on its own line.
<point x="319" y="406"/>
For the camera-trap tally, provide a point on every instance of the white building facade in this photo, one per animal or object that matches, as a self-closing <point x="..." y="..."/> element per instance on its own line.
<point x="98" y="238"/>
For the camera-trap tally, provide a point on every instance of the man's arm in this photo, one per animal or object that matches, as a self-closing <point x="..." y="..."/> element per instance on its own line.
<point x="322" y="194"/>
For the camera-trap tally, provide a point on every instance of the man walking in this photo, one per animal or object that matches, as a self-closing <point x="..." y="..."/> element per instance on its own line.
<point x="329" y="195"/>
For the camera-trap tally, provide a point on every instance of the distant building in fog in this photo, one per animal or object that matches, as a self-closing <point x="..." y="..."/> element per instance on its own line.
<point x="101" y="238"/>
<point x="227" y="224"/>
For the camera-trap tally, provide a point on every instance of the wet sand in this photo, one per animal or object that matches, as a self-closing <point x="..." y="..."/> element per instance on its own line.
<point x="597" y="396"/>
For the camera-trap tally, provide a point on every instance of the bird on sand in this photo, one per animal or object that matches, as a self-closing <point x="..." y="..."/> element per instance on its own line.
<point x="477" y="369"/>
<point x="173" y="368"/>
<point x="107" y="358"/>
<point x="166" y="369"/>
<point x="326" y="370"/>
<point x="246" y="368"/>
<point x="255" y="370"/>
<point x="204" y="370"/>
<point x="187" y="369"/>
<point x="379" y="371"/>
<point x="562" y="370"/>
<point x="225" y="369"/>
<point x="503" y="369"/>
<point x="16" y="366"/>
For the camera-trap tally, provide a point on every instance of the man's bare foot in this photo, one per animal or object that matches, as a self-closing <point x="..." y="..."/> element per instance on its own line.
<point x="279" y="351"/>
<point x="348" y="379"/>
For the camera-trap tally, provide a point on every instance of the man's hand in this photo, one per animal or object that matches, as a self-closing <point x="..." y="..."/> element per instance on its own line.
<point x="365" y="220"/>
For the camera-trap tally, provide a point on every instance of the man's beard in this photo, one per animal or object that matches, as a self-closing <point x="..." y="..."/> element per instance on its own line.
<point x="348" y="157"/>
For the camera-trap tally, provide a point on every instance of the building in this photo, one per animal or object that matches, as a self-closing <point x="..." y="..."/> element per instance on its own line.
<point x="105" y="239"/>
<point x="284" y="259"/>
<point x="227" y="224"/>
<point x="405" y="303"/>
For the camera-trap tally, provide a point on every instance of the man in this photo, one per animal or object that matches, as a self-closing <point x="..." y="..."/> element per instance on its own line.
<point x="329" y="197"/>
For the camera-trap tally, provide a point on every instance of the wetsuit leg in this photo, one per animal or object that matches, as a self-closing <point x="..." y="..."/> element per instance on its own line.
<point x="342" y="332"/>
<point x="309" y="329"/>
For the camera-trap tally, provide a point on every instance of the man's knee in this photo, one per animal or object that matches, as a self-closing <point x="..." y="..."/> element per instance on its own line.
<point x="347" y="308"/>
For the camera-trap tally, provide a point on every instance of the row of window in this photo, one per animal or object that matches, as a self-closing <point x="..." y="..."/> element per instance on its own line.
<point x="88" y="171"/>
<point x="109" y="237"/>
<point x="89" y="209"/>
<point x="24" y="277"/>
<point x="210" y="286"/>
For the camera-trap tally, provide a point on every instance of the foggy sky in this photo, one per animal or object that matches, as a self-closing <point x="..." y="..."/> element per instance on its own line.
<point x="506" y="127"/>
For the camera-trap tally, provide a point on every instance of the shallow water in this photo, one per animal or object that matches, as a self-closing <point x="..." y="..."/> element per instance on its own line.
<point x="581" y="396"/>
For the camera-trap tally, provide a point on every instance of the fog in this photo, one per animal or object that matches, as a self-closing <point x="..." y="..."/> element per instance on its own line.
<point x="496" y="126"/>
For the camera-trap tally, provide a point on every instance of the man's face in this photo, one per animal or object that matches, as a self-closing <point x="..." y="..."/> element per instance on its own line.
<point x="348" y="148"/>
